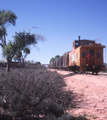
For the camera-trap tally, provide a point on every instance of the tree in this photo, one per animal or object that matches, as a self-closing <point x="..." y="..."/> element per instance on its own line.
<point x="21" y="55"/>
<point x="21" y="39"/>
<point x="52" y="59"/>
<point x="18" y="56"/>
<point x="57" y="56"/>
<point x="26" y="51"/>
<point x="20" y="42"/>
<point x="6" y="18"/>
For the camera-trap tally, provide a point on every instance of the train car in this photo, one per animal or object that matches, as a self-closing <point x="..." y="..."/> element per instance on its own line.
<point x="86" y="56"/>
<point x="74" y="61"/>
<point x="57" y="64"/>
<point x="53" y="66"/>
<point x="65" y="61"/>
<point x="60" y="62"/>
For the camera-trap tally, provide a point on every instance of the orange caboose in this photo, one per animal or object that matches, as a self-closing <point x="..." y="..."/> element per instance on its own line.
<point x="86" y="56"/>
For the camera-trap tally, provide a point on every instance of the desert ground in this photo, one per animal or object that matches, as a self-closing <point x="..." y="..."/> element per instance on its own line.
<point x="91" y="90"/>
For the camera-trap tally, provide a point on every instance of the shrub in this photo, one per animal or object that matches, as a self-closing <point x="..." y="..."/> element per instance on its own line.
<point x="5" y="117"/>
<point x="36" y="65"/>
<point x="30" y="92"/>
<point x="55" y="109"/>
<point x="66" y="117"/>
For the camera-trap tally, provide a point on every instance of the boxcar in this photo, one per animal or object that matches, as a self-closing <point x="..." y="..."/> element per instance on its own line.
<point x="65" y="61"/>
<point x="60" y="61"/>
<point x="56" y="62"/>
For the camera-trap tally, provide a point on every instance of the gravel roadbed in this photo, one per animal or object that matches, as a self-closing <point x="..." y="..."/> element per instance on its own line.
<point x="92" y="91"/>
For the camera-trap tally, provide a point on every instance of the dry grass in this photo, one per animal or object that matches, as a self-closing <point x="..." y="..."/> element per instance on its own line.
<point x="30" y="91"/>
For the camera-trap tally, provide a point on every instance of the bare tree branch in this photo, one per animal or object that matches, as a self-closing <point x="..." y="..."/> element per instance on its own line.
<point x="7" y="25"/>
<point x="31" y="28"/>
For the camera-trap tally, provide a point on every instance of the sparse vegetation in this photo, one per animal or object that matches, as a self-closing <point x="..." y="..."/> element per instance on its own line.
<point x="33" y="92"/>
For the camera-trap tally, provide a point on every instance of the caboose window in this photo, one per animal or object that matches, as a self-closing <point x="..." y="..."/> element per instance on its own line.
<point x="98" y="55"/>
<point x="90" y="43"/>
<point x="83" y="54"/>
<point x="76" y="43"/>
<point x="73" y="57"/>
<point x="91" y="52"/>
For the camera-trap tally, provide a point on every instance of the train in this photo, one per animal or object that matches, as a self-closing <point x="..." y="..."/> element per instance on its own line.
<point x="86" y="55"/>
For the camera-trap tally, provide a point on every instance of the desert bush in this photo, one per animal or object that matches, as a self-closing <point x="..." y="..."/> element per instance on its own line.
<point x="5" y="117"/>
<point x="56" y="109"/>
<point x="66" y="116"/>
<point x="30" y="92"/>
<point x="36" y="65"/>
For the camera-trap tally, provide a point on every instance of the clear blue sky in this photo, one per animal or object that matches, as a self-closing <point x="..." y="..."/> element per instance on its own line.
<point x="61" y="22"/>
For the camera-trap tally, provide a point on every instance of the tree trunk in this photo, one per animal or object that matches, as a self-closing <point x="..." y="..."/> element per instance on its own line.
<point x="23" y="62"/>
<point x="8" y="66"/>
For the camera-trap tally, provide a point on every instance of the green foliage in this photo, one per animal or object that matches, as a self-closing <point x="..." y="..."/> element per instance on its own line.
<point x="2" y="32"/>
<point x="57" y="56"/>
<point x="18" y="56"/>
<point x="7" y="17"/>
<point x="21" y="40"/>
<point x="52" y="59"/>
<point x="26" y="50"/>
<point x="8" y="50"/>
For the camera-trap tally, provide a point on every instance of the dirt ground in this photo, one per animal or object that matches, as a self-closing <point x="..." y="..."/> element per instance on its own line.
<point x="92" y="91"/>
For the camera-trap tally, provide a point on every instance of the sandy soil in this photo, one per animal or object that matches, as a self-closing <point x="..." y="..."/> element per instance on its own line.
<point x="92" y="91"/>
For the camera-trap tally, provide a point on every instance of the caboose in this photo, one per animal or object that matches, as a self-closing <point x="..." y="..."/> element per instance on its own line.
<point x="87" y="55"/>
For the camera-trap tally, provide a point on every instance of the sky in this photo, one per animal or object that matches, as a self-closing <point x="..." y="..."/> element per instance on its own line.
<point x="60" y="22"/>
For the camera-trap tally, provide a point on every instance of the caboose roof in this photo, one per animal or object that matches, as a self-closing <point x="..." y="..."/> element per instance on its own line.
<point x="85" y="40"/>
<point x="94" y="45"/>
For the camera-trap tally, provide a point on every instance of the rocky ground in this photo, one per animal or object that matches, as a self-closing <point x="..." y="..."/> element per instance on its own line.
<point x="91" y="91"/>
